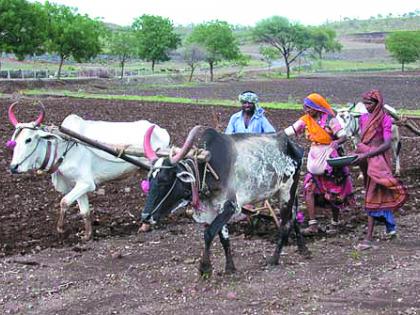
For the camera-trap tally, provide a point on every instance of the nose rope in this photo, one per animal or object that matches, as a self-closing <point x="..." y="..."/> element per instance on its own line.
<point x="27" y="157"/>
<point x="163" y="199"/>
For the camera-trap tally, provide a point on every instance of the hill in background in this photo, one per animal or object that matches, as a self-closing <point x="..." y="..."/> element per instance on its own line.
<point x="407" y="22"/>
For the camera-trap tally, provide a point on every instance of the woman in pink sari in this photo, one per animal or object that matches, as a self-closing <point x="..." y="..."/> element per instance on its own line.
<point x="323" y="185"/>
<point x="384" y="193"/>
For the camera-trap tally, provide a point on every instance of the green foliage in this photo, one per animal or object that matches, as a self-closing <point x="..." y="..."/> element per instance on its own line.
<point x="290" y="39"/>
<point x="269" y="54"/>
<point x="324" y="40"/>
<point x="22" y="27"/>
<point x="156" y="37"/>
<point x="218" y="40"/>
<point x="122" y="43"/>
<point x="72" y="34"/>
<point x="404" y="46"/>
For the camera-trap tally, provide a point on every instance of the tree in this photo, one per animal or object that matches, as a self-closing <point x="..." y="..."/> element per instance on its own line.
<point x="193" y="54"/>
<point x="290" y="39"/>
<point x="72" y="34"/>
<point x="122" y="43"/>
<point x="404" y="46"/>
<point x="23" y="28"/>
<point x="323" y="40"/>
<point x="156" y="37"/>
<point x="269" y="55"/>
<point x="218" y="40"/>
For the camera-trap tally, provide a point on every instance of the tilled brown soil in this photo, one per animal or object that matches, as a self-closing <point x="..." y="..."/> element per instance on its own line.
<point x="121" y="272"/>
<point x="400" y="90"/>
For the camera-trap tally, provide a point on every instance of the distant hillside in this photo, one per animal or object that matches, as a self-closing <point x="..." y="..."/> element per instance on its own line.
<point x="409" y="21"/>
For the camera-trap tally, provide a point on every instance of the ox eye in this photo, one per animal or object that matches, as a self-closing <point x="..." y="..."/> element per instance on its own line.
<point x="28" y="140"/>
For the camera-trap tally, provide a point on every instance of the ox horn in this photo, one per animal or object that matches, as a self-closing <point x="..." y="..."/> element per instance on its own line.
<point x="41" y="115"/>
<point x="14" y="121"/>
<point x="186" y="147"/>
<point x="12" y="117"/>
<point x="147" y="147"/>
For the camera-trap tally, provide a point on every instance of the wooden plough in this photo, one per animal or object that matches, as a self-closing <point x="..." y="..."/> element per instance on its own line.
<point x="132" y="154"/>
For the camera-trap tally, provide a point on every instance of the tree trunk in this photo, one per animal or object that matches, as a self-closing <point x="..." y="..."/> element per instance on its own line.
<point x="60" y="66"/>
<point x="122" y="68"/>
<point x="287" y="70"/>
<point x="191" y="73"/>
<point x="402" y="66"/>
<point x="211" y="71"/>
<point x="153" y="66"/>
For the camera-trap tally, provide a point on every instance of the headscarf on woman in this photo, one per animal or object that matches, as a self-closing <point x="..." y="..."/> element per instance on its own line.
<point x="377" y="116"/>
<point x="317" y="133"/>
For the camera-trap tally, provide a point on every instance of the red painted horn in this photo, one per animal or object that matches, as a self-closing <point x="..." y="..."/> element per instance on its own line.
<point x="147" y="147"/>
<point x="186" y="147"/>
<point x="12" y="117"/>
<point x="41" y="115"/>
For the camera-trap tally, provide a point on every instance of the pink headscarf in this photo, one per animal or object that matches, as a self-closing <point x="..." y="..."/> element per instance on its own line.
<point x="376" y="117"/>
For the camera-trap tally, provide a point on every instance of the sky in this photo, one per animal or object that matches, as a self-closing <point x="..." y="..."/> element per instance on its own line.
<point x="184" y="12"/>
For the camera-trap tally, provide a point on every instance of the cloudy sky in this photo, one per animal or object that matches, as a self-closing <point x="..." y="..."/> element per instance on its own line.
<point x="309" y="12"/>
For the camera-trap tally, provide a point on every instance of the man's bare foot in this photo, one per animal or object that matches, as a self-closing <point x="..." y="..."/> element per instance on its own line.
<point x="144" y="228"/>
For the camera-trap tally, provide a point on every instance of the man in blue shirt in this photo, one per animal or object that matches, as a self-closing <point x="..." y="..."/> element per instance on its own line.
<point x="251" y="118"/>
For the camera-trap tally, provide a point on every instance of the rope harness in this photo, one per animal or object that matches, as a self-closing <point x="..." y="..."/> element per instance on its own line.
<point x="55" y="163"/>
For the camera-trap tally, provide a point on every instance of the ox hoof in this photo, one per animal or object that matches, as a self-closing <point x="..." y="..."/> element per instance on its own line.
<point x="205" y="270"/>
<point x="230" y="270"/>
<point x="272" y="261"/>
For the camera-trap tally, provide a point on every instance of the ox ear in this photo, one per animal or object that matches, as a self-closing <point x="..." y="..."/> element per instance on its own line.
<point x="186" y="177"/>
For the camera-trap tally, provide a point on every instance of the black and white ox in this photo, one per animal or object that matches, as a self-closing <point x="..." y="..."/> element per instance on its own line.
<point x="242" y="169"/>
<point x="77" y="169"/>
<point x="349" y="120"/>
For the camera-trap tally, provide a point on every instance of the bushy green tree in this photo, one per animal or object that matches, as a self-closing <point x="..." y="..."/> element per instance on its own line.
<point x="122" y="44"/>
<point x="156" y="37"/>
<point x="218" y="40"/>
<point x="23" y="28"/>
<point x="404" y="46"/>
<point x="72" y="35"/>
<point x="324" y="41"/>
<point x="290" y="39"/>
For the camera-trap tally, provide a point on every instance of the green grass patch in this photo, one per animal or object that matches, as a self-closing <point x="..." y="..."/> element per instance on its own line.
<point x="178" y="100"/>
<point x="155" y="98"/>
<point x="357" y="66"/>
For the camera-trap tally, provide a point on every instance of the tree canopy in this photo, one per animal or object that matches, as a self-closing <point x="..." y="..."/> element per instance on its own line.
<point x="23" y="28"/>
<point x="72" y="35"/>
<point x="404" y="46"/>
<point x="290" y="39"/>
<point x="218" y="40"/>
<point x="122" y="43"/>
<point x="156" y="37"/>
<point x="324" y="40"/>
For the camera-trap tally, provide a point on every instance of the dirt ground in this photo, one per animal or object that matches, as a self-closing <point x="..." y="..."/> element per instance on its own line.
<point x="122" y="272"/>
<point x="399" y="89"/>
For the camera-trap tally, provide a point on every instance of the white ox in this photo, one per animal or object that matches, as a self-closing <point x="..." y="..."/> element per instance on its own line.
<point x="75" y="168"/>
<point x="348" y="118"/>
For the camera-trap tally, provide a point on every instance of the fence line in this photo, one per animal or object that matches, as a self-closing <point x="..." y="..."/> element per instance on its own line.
<point x="88" y="73"/>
